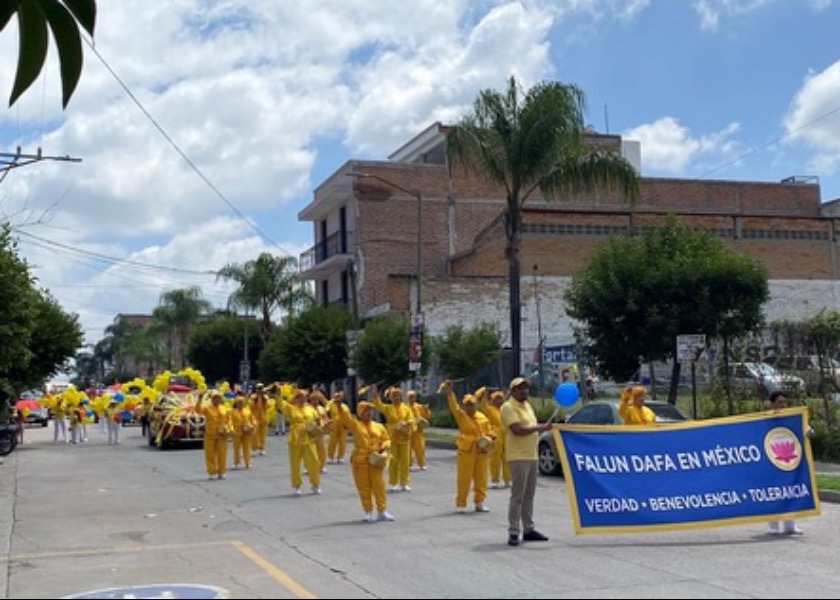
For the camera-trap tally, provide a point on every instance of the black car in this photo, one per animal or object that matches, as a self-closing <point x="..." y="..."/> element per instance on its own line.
<point x="598" y="412"/>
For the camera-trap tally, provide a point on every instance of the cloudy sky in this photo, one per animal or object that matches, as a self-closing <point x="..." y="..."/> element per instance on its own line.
<point x="204" y="125"/>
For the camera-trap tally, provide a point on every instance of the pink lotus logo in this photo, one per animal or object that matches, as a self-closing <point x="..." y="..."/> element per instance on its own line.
<point x="784" y="451"/>
<point x="783" y="448"/>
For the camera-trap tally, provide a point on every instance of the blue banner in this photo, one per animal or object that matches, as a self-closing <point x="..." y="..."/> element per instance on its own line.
<point x="750" y="468"/>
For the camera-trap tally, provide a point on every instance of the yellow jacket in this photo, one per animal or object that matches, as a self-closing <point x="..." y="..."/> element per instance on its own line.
<point x="216" y="419"/>
<point x="242" y="420"/>
<point x="400" y="419"/>
<point x="367" y="438"/>
<point x="635" y="415"/>
<point x="298" y="417"/>
<point x="469" y="428"/>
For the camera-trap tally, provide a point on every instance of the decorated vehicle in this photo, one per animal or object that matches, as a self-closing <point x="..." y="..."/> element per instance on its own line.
<point x="173" y="420"/>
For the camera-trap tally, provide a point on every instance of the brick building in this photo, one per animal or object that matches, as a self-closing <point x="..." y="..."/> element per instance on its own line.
<point x="385" y="230"/>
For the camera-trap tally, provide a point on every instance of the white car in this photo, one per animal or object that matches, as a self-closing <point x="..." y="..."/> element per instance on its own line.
<point x="764" y="379"/>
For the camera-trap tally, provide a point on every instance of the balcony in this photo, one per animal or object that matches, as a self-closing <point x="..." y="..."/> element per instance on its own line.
<point x="329" y="255"/>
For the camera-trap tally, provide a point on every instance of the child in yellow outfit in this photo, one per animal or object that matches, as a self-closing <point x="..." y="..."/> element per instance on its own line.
<point x="421" y="414"/>
<point x="474" y="444"/>
<point x="337" y="444"/>
<point x="217" y="428"/>
<point x="491" y="407"/>
<point x="369" y="438"/>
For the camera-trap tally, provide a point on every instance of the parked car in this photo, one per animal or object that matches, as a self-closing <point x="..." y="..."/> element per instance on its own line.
<point x="35" y="413"/>
<point x="808" y="368"/>
<point x="598" y="412"/>
<point x="762" y="379"/>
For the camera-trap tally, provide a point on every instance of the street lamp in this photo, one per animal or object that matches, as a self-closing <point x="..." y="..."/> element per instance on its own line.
<point x="417" y="316"/>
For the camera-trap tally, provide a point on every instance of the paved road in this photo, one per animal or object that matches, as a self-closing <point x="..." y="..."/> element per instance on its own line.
<point x="77" y="518"/>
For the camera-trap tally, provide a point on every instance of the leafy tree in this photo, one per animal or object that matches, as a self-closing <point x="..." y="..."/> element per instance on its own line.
<point x="636" y="294"/>
<point x="533" y="143"/>
<point x="180" y="311"/>
<point x="310" y="348"/>
<point x="217" y="346"/>
<point x="63" y="18"/>
<point x="463" y="353"/>
<point x="381" y="352"/>
<point x="266" y="284"/>
<point x="823" y="332"/>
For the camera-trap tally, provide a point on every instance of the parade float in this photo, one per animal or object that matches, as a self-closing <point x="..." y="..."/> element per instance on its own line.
<point x="173" y="420"/>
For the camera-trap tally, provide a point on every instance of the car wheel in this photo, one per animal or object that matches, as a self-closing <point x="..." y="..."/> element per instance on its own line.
<point x="547" y="460"/>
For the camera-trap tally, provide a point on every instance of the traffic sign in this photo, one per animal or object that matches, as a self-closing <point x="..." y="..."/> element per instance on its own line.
<point x="690" y="347"/>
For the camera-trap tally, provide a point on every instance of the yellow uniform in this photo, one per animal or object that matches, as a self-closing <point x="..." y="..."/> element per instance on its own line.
<point x="337" y="445"/>
<point x="471" y="464"/>
<point x="400" y="426"/>
<point x="497" y="462"/>
<point x="368" y="437"/>
<point x="418" y="437"/>
<point x="217" y="428"/>
<point x="259" y="408"/>
<point x="301" y="444"/>
<point x="635" y="414"/>
<point x="243" y="425"/>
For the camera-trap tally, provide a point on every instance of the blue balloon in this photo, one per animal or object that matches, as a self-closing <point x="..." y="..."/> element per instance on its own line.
<point x="566" y="394"/>
<point x="118" y="396"/>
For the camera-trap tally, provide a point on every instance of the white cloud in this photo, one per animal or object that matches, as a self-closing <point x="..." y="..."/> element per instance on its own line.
<point x="814" y="118"/>
<point x="668" y="147"/>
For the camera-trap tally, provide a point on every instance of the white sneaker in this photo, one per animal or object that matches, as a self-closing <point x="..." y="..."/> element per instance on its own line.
<point x="405" y="488"/>
<point x="394" y="488"/>
<point x="262" y="452"/>
<point x="494" y="485"/>
<point x="323" y="469"/>
<point x="222" y="476"/>
<point x="423" y="468"/>
<point x="773" y="527"/>
<point x="384" y="515"/>
<point x="316" y="489"/>
<point x="460" y="509"/>
<point x="339" y="461"/>
<point x="297" y="491"/>
<point x="481" y="508"/>
<point x="793" y="531"/>
<point x="367" y="517"/>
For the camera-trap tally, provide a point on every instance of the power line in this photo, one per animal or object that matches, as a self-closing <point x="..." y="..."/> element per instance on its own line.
<point x="181" y="153"/>
<point x="770" y="143"/>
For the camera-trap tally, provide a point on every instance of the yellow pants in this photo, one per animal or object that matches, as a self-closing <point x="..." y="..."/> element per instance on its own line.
<point x="242" y="449"/>
<point x="400" y="464"/>
<point x="370" y="483"/>
<point x="260" y="434"/>
<point x="418" y="447"/>
<point x="338" y="442"/>
<point x="471" y="468"/>
<point x="498" y="464"/>
<point x="309" y="456"/>
<point x="215" y="454"/>
<point x="321" y="451"/>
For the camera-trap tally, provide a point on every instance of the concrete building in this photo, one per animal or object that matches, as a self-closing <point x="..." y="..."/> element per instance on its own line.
<point x="392" y="235"/>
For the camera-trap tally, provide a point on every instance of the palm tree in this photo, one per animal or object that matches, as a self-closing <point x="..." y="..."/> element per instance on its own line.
<point x="266" y="284"/>
<point x="64" y="19"/>
<point x="529" y="143"/>
<point x="180" y="310"/>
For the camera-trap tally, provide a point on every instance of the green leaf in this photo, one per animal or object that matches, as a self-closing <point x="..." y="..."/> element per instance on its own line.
<point x="85" y="13"/>
<point x="7" y="9"/>
<point x="69" y="44"/>
<point x="32" y="49"/>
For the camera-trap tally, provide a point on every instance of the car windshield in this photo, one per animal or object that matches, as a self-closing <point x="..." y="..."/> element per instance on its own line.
<point x="667" y="412"/>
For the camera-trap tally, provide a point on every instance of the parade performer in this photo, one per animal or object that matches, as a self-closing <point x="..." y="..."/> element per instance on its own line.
<point x="368" y="460"/>
<point x="243" y="425"/>
<point x="217" y="428"/>
<point x="474" y="444"/>
<point x="422" y="414"/>
<point x="490" y="404"/>
<point x="299" y="415"/>
<point x="400" y="425"/>
<point x="337" y="444"/>
<point x="259" y="408"/>
<point x="632" y="407"/>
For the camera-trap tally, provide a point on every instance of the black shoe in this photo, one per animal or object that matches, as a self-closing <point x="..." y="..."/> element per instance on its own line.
<point x="534" y="536"/>
<point x="513" y="539"/>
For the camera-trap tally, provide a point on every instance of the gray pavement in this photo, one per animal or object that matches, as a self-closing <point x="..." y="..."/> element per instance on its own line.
<point x="85" y="517"/>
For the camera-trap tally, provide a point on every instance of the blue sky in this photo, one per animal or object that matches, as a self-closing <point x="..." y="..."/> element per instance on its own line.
<point x="204" y="125"/>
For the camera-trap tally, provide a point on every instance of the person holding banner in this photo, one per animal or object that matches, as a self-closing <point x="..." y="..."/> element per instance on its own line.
<point x="632" y="408"/>
<point x="778" y="401"/>
<point x="521" y="434"/>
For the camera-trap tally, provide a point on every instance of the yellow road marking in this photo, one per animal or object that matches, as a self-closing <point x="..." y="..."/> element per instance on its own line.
<point x="284" y="580"/>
